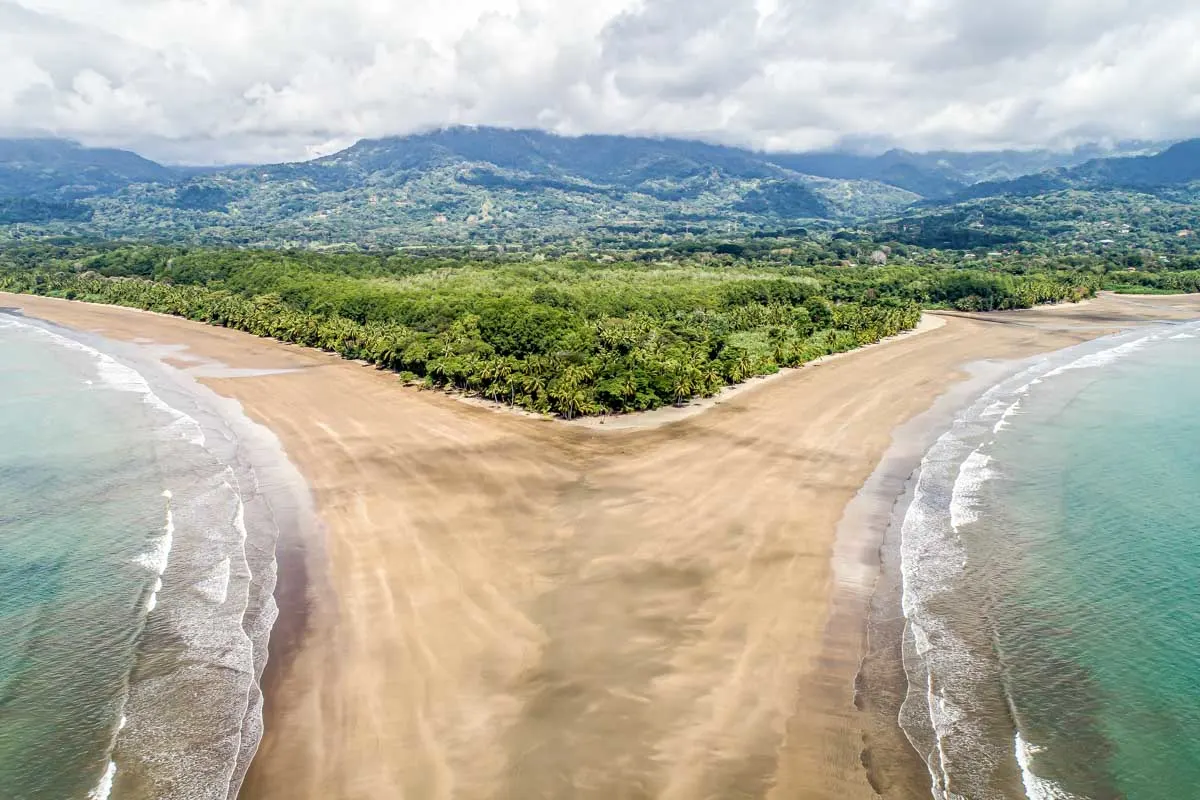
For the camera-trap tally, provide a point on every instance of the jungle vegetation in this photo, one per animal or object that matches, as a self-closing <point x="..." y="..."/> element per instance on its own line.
<point x="568" y="337"/>
<point x="593" y="274"/>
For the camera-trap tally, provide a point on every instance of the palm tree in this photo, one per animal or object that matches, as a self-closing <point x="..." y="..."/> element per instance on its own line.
<point x="511" y="379"/>
<point x="627" y="386"/>
<point x="438" y="369"/>
<point x="745" y="365"/>
<point x="534" y="384"/>
<point x="683" y="381"/>
<point x="574" y="399"/>
<point x="712" y="380"/>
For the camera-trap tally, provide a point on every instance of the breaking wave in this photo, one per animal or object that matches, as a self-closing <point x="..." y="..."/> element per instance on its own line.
<point x="209" y="608"/>
<point x="938" y="713"/>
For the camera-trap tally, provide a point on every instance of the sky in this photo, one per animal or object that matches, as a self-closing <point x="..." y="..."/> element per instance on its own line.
<point x="241" y="81"/>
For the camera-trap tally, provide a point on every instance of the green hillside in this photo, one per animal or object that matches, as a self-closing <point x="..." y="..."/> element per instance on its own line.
<point x="489" y="186"/>
<point x="56" y="170"/>
<point x="481" y="186"/>
<point x="1176" y="166"/>
<point x="942" y="174"/>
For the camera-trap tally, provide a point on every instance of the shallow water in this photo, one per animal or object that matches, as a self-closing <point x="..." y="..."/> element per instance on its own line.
<point x="134" y="602"/>
<point x="1051" y="561"/>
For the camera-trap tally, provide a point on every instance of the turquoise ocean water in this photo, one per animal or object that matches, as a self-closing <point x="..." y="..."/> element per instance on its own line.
<point x="134" y="603"/>
<point x="1051" y="563"/>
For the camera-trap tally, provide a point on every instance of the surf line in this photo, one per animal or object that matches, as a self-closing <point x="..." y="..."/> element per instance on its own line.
<point x="155" y="559"/>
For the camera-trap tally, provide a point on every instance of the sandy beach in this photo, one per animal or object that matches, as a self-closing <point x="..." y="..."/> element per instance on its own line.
<point x="508" y="607"/>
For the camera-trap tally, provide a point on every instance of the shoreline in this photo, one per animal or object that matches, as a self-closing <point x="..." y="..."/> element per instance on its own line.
<point x="645" y="420"/>
<point x="883" y="680"/>
<point x="224" y="453"/>
<point x="667" y="415"/>
<point x="636" y="420"/>
<point x="516" y="609"/>
<point x="867" y="599"/>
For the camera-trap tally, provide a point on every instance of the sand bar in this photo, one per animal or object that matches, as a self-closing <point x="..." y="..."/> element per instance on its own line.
<point x="515" y="608"/>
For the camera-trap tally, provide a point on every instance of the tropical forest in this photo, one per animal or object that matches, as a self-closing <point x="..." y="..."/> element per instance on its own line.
<point x="594" y="275"/>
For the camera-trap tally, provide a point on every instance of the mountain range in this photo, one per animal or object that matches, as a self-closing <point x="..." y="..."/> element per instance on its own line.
<point x="1178" y="165"/>
<point x="500" y="185"/>
<point x="55" y="169"/>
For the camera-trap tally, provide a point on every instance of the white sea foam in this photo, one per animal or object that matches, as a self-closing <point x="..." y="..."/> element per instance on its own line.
<point x="1104" y="357"/>
<point x="931" y="557"/>
<point x="125" y="379"/>
<point x="935" y="708"/>
<point x="153" y="603"/>
<point x="239" y="522"/>
<point x="948" y="496"/>
<point x="104" y="788"/>
<point x="1037" y="788"/>
<point x="155" y="559"/>
<point x="996" y="409"/>
<point x="1008" y="414"/>
<point x="214" y="587"/>
<point x="964" y="500"/>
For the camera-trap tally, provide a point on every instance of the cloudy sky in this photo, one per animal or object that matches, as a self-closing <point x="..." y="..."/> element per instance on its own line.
<point x="259" y="80"/>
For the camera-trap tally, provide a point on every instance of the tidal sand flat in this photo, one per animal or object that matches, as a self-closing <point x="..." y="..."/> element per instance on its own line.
<point x="507" y="607"/>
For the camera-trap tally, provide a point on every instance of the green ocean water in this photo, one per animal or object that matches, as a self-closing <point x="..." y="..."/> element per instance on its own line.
<point x="1053" y="581"/>
<point x="79" y="503"/>
<point x="134" y="603"/>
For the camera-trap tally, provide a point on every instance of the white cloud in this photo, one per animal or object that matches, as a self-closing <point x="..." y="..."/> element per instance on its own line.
<point x="251" y="80"/>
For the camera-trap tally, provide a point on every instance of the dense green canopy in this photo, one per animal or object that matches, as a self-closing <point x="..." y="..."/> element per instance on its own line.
<point x="568" y="337"/>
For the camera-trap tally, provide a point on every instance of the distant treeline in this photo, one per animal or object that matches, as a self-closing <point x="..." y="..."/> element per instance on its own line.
<point x="558" y="336"/>
<point x="1134" y="282"/>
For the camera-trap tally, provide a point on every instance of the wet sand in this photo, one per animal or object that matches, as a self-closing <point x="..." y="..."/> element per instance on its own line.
<point x="505" y="607"/>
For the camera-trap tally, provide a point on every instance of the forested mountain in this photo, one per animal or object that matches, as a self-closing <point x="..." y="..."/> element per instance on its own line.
<point x="634" y="162"/>
<point x="1149" y="204"/>
<point x="490" y="186"/>
<point x="603" y="160"/>
<point x="1070" y="221"/>
<point x="940" y="174"/>
<point x="54" y="169"/>
<point x="1174" y="167"/>
<point x="43" y="180"/>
